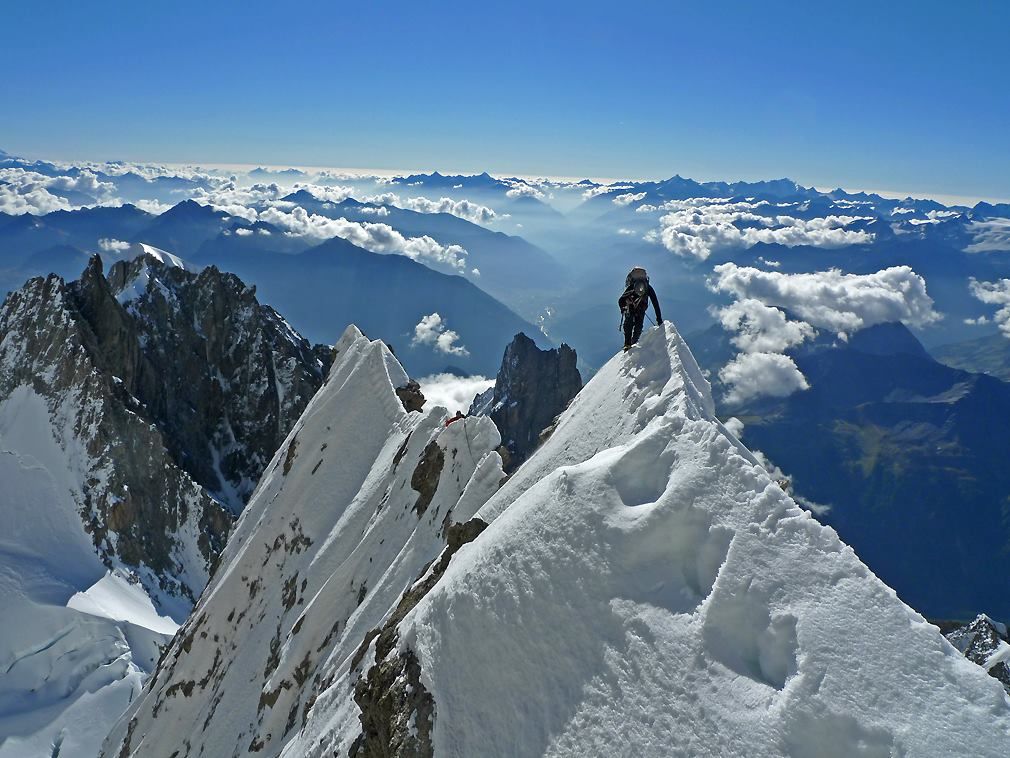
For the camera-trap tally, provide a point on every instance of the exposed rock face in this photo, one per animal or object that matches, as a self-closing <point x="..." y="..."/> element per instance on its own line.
<point x="986" y="643"/>
<point x="410" y="395"/>
<point x="169" y="392"/>
<point x="533" y="386"/>
<point x="225" y="377"/>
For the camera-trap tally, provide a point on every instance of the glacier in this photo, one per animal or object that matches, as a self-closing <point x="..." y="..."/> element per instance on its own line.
<point x="640" y="586"/>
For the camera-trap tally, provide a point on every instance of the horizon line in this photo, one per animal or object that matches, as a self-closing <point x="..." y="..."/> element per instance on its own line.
<point x="942" y="197"/>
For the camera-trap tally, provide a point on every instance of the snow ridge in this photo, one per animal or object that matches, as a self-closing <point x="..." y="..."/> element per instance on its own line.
<point x="642" y="587"/>
<point x="353" y="506"/>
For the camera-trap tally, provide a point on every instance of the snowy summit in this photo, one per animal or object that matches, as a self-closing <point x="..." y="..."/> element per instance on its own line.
<point x="640" y="586"/>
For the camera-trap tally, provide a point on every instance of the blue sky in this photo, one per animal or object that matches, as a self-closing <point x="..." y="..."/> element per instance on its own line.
<point x="901" y="96"/>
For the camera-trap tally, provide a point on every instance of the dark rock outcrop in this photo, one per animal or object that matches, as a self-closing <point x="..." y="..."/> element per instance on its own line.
<point x="986" y="643"/>
<point x="411" y="397"/>
<point x="533" y="386"/>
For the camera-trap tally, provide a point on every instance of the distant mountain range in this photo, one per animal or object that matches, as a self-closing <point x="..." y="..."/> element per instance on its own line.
<point x="321" y="289"/>
<point x="325" y="288"/>
<point x="510" y="268"/>
<point x="984" y="355"/>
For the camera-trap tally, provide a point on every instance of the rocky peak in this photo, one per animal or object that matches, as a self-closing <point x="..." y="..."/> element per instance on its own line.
<point x="986" y="643"/>
<point x="233" y="376"/>
<point x="533" y="386"/>
<point x="168" y="391"/>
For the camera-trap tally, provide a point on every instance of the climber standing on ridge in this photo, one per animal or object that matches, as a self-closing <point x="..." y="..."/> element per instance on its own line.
<point x="634" y="302"/>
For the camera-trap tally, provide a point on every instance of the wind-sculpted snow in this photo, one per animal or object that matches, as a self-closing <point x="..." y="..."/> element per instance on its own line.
<point x="647" y="589"/>
<point x="356" y="502"/>
<point x="639" y="587"/>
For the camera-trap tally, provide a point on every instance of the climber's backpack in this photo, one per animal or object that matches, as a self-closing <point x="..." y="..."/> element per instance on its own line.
<point x="637" y="286"/>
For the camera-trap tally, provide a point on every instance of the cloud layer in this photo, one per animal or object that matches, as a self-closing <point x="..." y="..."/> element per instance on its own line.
<point x="478" y="214"/>
<point x="752" y="375"/>
<point x="376" y="237"/>
<point x="831" y="299"/>
<point x="453" y="392"/>
<point x="994" y="293"/>
<point x="698" y="227"/>
<point x="840" y="303"/>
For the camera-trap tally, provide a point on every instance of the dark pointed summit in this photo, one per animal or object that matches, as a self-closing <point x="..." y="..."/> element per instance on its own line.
<point x="532" y="388"/>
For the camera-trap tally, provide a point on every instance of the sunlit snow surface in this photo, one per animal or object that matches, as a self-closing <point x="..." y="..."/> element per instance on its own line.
<point x="139" y="285"/>
<point x="644" y="589"/>
<point x="76" y="642"/>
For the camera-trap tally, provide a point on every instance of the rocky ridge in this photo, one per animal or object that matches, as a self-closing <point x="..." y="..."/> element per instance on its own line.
<point x="168" y="391"/>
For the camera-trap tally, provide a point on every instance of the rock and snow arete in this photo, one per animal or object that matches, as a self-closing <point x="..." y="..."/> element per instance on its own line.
<point x="640" y="586"/>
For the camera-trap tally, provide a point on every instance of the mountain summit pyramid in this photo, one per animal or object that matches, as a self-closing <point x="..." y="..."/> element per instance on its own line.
<point x="640" y="586"/>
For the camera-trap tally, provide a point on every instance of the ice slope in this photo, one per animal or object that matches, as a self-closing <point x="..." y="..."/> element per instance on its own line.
<point x="647" y="589"/>
<point x="644" y="589"/>
<point x="76" y="642"/>
<point x="351" y="509"/>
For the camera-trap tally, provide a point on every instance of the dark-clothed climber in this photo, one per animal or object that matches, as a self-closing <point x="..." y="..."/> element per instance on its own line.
<point x="634" y="302"/>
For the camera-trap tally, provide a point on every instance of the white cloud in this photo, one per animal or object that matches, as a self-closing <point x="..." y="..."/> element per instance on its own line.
<point x="379" y="238"/>
<point x="833" y="300"/>
<point x="466" y="209"/>
<point x="336" y="177"/>
<point x="700" y="226"/>
<point x="153" y="206"/>
<point x="236" y="200"/>
<point x="628" y="198"/>
<point x="734" y="426"/>
<point x="113" y="246"/>
<point x="829" y="300"/>
<point x="626" y="232"/>
<point x="453" y="392"/>
<point x="752" y="375"/>
<point x="374" y="210"/>
<point x="521" y="189"/>
<point x="432" y="330"/>
<point x="28" y="192"/>
<point x="759" y="328"/>
<point x="993" y="293"/>
<point x="386" y="198"/>
<point x="86" y="183"/>
<point x="327" y="194"/>
<point x="604" y="189"/>
<point x="244" y="232"/>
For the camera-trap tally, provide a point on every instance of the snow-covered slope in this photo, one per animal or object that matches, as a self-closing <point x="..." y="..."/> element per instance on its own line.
<point x="76" y="640"/>
<point x="126" y="426"/>
<point x="359" y="498"/>
<point x="643" y="588"/>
